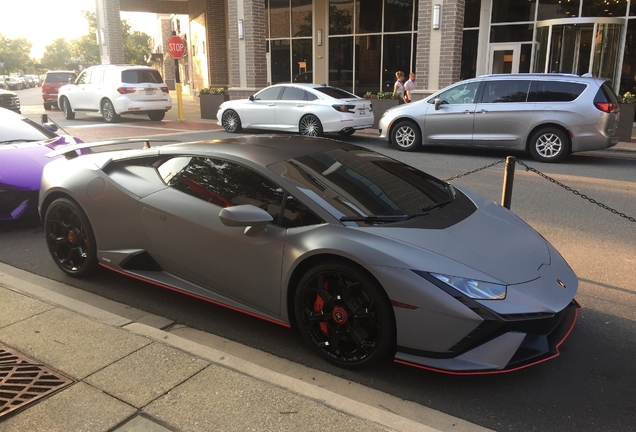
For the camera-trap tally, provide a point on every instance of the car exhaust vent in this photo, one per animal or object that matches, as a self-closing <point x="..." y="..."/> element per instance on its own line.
<point x="24" y="382"/>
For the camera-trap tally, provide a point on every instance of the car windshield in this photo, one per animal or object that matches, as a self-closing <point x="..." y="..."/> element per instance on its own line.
<point x="23" y="130"/>
<point x="354" y="183"/>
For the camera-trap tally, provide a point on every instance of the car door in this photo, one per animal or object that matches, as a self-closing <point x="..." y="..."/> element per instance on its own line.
<point x="451" y="121"/>
<point x="76" y="93"/>
<point x="503" y="115"/>
<point x="290" y="107"/>
<point x="261" y="112"/>
<point x="93" y="90"/>
<point x="188" y="238"/>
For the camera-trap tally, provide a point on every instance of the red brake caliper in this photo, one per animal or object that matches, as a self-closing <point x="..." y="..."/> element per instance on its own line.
<point x="319" y="304"/>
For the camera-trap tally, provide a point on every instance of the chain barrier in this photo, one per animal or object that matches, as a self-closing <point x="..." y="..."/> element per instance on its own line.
<point x="550" y="179"/>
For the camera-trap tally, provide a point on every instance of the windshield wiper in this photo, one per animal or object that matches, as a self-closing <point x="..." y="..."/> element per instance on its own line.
<point x="374" y="218"/>
<point x="433" y="206"/>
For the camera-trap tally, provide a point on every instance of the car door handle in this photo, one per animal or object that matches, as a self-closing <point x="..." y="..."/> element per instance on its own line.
<point x="271" y="104"/>
<point x="300" y="105"/>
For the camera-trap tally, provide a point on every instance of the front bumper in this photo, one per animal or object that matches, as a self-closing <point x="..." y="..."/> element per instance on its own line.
<point x="507" y="343"/>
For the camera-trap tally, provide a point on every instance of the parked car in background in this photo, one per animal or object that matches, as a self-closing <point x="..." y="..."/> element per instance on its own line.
<point x="114" y="90"/>
<point x="308" y="109"/>
<point x="371" y="258"/>
<point x="24" y="145"/>
<point x="3" y="82"/>
<point x="511" y="112"/>
<point x="15" y="83"/>
<point x="10" y="101"/>
<point x="51" y="86"/>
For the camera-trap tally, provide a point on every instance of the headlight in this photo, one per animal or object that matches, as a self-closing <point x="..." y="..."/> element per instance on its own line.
<point x="473" y="288"/>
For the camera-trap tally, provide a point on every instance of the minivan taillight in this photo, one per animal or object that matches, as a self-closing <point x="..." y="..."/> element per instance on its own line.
<point x="165" y="89"/>
<point x="124" y="90"/>
<point x="607" y="107"/>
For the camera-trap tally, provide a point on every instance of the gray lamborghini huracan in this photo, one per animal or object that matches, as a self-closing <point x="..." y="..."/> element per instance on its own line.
<point x="369" y="257"/>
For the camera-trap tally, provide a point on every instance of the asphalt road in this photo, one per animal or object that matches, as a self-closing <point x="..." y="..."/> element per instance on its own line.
<point x="591" y="386"/>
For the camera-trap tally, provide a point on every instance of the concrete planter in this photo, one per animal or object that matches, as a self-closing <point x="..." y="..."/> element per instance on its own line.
<point x="210" y="103"/>
<point x="626" y="122"/>
<point x="379" y="106"/>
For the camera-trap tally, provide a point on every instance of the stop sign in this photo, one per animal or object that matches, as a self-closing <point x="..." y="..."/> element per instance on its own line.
<point x="176" y="47"/>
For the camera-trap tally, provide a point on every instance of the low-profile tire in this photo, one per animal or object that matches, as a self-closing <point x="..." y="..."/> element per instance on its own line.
<point x="310" y="126"/>
<point x="156" y="115"/>
<point x="347" y="133"/>
<point x="47" y="106"/>
<point x="406" y="136"/>
<point x="231" y="121"/>
<point x="70" y="238"/>
<point x="108" y="112"/>
<point x="549" y="144"/>
<point x="67" y="110"/>
<point x="345" y="315"/>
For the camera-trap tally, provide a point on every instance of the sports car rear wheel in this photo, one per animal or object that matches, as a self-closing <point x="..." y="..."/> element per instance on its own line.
<point x="345" y="315"/>
<point x="70" y="238"/>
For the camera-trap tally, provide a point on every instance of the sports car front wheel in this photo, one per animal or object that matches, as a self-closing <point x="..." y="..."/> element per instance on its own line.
<point x="345" y="315"/>
<point x="70" y="238"/>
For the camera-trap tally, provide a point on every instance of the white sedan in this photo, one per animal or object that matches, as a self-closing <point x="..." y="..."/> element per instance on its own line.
<point x="309" y="109"/>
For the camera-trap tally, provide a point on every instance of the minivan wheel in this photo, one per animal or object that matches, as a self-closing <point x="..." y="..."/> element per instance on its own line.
<point x="406" y="136"/>
<point x="549" y="145"/>
<point x="108" y="112"/>
<point x="67" y="110"/>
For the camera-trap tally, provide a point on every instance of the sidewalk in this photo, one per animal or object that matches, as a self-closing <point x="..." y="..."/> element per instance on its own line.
<point x="127" y="375"/>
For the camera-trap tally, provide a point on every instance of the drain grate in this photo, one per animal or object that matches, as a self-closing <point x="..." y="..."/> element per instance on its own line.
<point x="24" y="382"/>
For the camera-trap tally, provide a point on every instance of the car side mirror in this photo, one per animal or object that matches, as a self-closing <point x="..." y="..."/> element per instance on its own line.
<point x="249" y="216"/>
<point x="438" y="102"/>
<point x="50" y="126"/>
<point x="252" y="98"/>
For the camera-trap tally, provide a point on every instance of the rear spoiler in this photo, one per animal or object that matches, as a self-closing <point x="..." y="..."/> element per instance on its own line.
<point x="71" y="151"/>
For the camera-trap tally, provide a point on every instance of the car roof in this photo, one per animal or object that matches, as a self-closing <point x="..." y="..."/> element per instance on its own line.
<point x="260" y="149"/>
<point x="60" y="71"/>
<point x="545" y="76"/>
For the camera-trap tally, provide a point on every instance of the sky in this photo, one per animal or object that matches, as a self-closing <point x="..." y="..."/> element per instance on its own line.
<point x="42" y="21"/>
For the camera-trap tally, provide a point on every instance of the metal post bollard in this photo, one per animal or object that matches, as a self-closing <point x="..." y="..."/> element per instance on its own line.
<point x="509" y="176"/>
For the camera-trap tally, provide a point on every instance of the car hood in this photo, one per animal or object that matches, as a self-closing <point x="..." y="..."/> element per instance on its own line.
<point x="492" y="241"/>
<point x="21" y="163"/>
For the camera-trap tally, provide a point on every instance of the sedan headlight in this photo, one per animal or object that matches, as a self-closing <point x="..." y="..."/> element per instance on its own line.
<point x="473" y="288"/>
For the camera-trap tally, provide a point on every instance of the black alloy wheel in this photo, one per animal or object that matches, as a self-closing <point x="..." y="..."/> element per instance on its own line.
<point x="108" y="112"/>
<point x="231" y="121"/>
<point x="156" y="115"/>
<point x="70" y="238"/>
<point x="67" y="110"/>
<point x="345" y="315"/>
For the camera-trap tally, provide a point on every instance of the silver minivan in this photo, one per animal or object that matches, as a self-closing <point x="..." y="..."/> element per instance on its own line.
<point x="549" y="115"/>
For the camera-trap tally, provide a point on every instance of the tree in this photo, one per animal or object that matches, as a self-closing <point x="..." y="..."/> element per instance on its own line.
<point x="14" y="54"/>
<point x="85" y="48"/>
<point x="57" y="54"/>
<point x="136" y="48"/>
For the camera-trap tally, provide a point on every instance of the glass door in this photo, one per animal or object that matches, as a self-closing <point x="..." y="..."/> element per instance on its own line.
<point x="504" y="58"/>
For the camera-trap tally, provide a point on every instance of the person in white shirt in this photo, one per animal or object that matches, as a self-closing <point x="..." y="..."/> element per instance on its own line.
<point x="409" y="86"/>
<point x="398" y="87"/>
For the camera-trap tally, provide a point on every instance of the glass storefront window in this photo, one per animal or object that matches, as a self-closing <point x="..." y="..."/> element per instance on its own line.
<point x="398" y="15"/>
<point x="340" y="17"/>
<point x="469" y="54"/>
<point x="280" y="59"/>
<point x="341" y="62"/>
<point x="369" y="19"/>
<point x="472" y="13"/>
<point x="553" y="9"/>
<point x="541" y="49"/>
<point x="397" y="54"/>
<point x="524" y="60"/>
<point x="604" y="8"/>
<point x="301" y="17"/>
<point x="604" y="64"/>
<point x="279" y="18"/>
<point x="511" y="33"/>
<point x="368" y="63"/>
<point x="512" y="10"/>
<point x="301" y="58"/>
<point x="628" y="77"/>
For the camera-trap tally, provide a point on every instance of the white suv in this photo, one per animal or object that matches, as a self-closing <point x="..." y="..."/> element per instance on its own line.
<point x="113" y="90"/>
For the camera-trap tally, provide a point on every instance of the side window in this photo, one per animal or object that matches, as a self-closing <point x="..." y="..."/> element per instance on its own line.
<point x="296" y="214"/>
<point x="310" y="96"/>
<point x="556" y="91"/>
<point x="460" y="94"/>
<point x="97" y="77"/>
<point x="270" y="93"/>
<point x="293" y="93"/>
<point x="503" y="91"/>
<point x="222" y="183"/>
<point x="83" y="78"/>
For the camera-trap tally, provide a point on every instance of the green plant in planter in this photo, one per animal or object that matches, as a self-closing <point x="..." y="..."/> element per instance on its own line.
<point x="369" y="95"/>
<point x="212" y="91"/>
<point x="386" y="95"/>
<point x="629" y="98"/>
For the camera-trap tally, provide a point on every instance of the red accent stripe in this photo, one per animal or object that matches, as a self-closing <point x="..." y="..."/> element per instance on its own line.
<point x="196" y="296"/>
<point x="492" y="372"/>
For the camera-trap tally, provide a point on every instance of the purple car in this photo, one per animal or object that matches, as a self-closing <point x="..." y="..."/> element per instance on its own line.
<point x="24" y="145"/>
